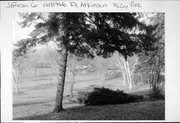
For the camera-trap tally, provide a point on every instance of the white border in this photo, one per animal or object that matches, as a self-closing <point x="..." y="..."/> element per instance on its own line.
<point x="172" y="39"/>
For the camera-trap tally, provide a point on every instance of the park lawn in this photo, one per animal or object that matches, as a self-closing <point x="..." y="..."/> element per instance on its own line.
<point x="147" y="110"/>
<point x="38" y="99"/>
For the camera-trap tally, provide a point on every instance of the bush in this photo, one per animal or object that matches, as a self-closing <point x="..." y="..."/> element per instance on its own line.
<point x="102" y="96"/>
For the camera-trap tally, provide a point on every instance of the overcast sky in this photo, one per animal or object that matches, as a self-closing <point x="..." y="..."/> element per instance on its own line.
<point x="18" y="32"/>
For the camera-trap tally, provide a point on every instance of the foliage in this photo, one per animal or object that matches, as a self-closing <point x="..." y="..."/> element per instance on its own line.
<point x="153" y="60"/>
<point x="102" y="96"/>
<point x="105" y="32"/>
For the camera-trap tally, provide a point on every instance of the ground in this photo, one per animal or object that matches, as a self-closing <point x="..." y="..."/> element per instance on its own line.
<point x="38" y="97"/>
<point x="148" y="110"/>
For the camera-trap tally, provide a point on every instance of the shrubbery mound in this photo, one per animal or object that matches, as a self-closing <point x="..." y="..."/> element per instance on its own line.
<point x="102" y="96"/>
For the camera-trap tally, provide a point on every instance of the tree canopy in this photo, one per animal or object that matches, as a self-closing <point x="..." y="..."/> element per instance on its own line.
<point x="105" y="32"/>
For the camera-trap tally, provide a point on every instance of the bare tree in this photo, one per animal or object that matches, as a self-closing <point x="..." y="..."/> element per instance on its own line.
<point x="74" y="67"/>
<point x="18" y="69"/>
<point x="127" y="67"/>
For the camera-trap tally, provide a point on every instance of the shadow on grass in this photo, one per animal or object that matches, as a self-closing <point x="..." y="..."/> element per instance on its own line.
<point x="148" y="110"/>
<point x="32" y="103"/>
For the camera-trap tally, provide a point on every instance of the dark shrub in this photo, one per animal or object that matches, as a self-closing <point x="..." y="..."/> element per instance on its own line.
<point x="102" y="96"/>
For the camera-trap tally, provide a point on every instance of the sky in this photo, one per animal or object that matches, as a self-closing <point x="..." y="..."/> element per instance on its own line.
<point x="19" y="32"/>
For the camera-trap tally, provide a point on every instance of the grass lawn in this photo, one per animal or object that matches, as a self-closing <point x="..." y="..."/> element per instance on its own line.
<point x="147" y="110"/>
<point x="38" y="97"/>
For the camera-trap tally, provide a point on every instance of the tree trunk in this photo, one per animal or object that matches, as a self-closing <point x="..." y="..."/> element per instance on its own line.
<point x="129" y="75"/>
<point x="21" y="81"/>
<point x="151" y="78"/>
<point x="17" y="87"/>
<point x="16" y="84"/>
<point x="72" y="85"/>
<point x="61" y="81"/>
<point x="132" y="77"/>
<point x="155" y="80"/>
